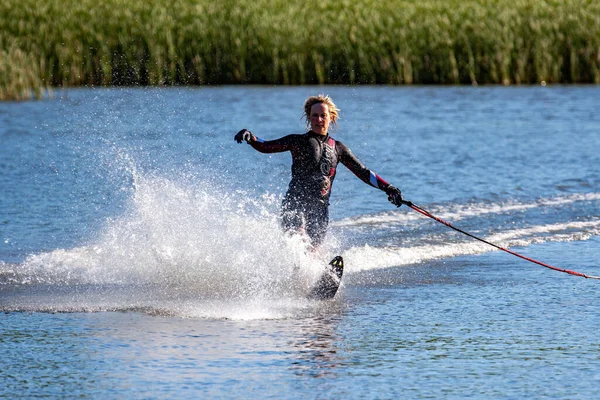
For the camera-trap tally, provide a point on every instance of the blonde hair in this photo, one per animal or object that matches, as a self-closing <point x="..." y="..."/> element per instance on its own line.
<point x="325" y="99"/>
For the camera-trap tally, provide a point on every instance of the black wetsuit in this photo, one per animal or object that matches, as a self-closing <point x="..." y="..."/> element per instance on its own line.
<point x="314" y="161"/>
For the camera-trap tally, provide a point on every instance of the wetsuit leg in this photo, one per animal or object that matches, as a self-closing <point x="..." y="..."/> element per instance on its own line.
<point x="292" y="218"/>
<point x="312" y="216"/>
<point x="317" y="221"/>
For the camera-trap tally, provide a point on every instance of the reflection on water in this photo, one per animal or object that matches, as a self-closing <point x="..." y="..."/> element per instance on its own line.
<point x="316" y="348"/>
<point x="117" y="351"/>
<point x="220" y="351"/>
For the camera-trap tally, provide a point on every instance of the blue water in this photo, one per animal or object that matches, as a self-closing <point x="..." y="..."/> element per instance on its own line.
<point x="141" y="255"/>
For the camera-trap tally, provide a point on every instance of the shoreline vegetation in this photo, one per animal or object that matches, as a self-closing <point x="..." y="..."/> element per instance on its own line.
<point x="68" y="43"/>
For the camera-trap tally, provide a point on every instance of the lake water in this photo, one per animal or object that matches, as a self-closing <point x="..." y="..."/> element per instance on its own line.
<point x="141" y="254"/>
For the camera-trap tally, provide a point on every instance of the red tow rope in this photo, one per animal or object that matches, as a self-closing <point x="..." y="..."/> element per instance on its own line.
<point x="428" y="214"/>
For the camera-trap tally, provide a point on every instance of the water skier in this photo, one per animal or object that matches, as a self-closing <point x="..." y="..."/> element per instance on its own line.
<point x="315" y="156"/>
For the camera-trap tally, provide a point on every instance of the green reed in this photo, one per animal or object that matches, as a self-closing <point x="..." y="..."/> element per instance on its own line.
<point x="53" y="43"/>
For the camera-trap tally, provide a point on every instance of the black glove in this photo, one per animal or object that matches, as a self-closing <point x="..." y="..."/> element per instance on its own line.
<point x="394" y="195"/>
<point x="244" y="134"/>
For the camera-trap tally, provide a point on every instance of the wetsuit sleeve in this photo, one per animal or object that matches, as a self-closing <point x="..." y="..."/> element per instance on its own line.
<point x="363" y="173"/>
<point x="273" y="146"/>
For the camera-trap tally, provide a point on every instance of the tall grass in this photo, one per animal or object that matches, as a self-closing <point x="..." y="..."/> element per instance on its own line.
<point x="50" y="43"/>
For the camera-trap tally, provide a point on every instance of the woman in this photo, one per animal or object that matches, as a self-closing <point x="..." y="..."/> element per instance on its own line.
<point x="315" y="156"/>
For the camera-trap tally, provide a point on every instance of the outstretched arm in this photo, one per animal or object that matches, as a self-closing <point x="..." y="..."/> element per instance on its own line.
<point x="264" y="146"/>
<point x="366" y="175"/>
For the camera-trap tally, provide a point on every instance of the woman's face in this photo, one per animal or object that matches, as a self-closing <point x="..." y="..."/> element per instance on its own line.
<point x="320" y="118"/>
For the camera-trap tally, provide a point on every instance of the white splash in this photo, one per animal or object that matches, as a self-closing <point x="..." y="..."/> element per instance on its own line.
<point x="190" y="240"/>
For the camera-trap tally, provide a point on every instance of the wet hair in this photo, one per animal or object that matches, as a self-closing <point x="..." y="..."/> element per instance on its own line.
<point x="325" y="99"/>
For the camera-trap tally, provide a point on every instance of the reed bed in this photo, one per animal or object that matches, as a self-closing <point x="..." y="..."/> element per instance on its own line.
<point x="54" y="43"/>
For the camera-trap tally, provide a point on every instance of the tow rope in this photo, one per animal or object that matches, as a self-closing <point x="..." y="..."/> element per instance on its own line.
<point x="428" y="214"/>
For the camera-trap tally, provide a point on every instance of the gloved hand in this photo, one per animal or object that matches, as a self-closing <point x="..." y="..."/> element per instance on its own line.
<point x="244" y="134"/>
<point x="394" y="195"/>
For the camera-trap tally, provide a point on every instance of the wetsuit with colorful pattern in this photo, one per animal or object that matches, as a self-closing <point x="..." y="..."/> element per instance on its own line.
<point x="314" y="161"/>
